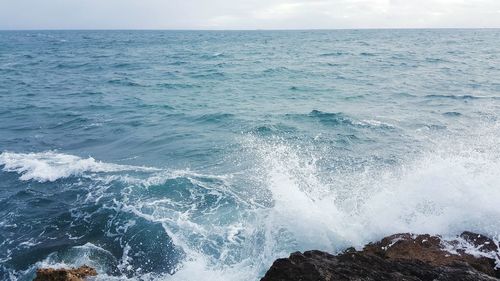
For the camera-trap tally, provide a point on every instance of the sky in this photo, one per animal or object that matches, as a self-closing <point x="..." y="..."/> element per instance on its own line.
<point x="247" y="14"/>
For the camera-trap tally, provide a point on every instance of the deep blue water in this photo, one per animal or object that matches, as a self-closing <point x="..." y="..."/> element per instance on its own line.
<point x="185" y="155"/>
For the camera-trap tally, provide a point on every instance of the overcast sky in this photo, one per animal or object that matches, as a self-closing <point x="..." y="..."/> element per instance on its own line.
<point x="246" y="14"/>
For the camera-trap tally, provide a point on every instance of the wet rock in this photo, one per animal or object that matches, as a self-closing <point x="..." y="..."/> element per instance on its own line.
<point x="74" y="274"/>
<point x="398" y="257"/>
<point x="479" y="241"/>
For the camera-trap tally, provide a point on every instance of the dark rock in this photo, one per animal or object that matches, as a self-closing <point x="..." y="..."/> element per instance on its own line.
<point x="396" y="257"/>
<point x="479" y="241"/>
<point x="74" y="274"/>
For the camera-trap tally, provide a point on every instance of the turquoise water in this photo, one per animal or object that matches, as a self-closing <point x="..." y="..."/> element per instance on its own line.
<point x="184" y="155"/>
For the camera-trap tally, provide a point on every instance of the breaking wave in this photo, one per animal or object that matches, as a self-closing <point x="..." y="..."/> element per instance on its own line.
<point x="289" y="202"/>
<point x="255" y="145"/>
<point x="51" y="166"/>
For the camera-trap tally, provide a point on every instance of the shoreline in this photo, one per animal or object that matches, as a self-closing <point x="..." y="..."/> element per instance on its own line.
<point x="470" y="256"/>
<point x="405" y="256"/>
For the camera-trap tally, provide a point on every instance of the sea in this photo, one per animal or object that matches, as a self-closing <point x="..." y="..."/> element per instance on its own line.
<point x="206" y="155"/>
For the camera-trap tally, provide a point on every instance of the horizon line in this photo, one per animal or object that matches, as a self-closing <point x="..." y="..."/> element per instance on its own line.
<point x="243" y="29"/>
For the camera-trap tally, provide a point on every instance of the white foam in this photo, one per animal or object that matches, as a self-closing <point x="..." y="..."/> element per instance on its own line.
<point x="74" y="257"/>
<point x="51" y="166"/>
<point x="451" y="186"/>
<point x="448" y="189"/>
<point x="375" y="123"/>
<point x="458" y="245"/>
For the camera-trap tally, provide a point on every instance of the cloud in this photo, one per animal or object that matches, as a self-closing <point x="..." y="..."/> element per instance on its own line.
<point x="246" y="14"/>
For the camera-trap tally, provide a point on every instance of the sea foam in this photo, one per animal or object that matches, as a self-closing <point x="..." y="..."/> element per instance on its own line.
<point x="51" y="166"/>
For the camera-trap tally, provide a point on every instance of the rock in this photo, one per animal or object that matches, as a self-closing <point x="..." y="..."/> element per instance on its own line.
<point x="74" y="274"/>
<point x="396" y="257"/>
<point x="479" y="241"/>
<point x="429" y="249"/>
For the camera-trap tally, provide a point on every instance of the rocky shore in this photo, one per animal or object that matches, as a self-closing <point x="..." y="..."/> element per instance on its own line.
<point x="469" y="256"/>
<point x="73" y="274"/>
<point x="404" y="257"/>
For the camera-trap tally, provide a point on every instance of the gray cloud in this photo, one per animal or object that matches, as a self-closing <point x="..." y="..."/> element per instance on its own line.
<point x="246" y="14"/>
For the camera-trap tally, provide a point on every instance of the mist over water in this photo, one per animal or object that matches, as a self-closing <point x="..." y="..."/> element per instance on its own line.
<point x="207" y="155"/>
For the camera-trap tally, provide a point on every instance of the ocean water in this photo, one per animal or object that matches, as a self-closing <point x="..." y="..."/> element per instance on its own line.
<point x="203" y="155"/>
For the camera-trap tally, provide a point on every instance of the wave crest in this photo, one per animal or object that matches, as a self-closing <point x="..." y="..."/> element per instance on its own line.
<point x="50" y="166"/>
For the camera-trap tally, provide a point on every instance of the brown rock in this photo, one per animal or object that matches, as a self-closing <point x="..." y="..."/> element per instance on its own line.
<point x="429" y="249"/>
<point x="74" y="274"/>
<point x="397" y="257"/>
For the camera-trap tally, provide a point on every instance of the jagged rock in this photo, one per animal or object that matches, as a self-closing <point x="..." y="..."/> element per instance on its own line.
<point x="397" y="257"/>
<point x="74" y="274"/>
